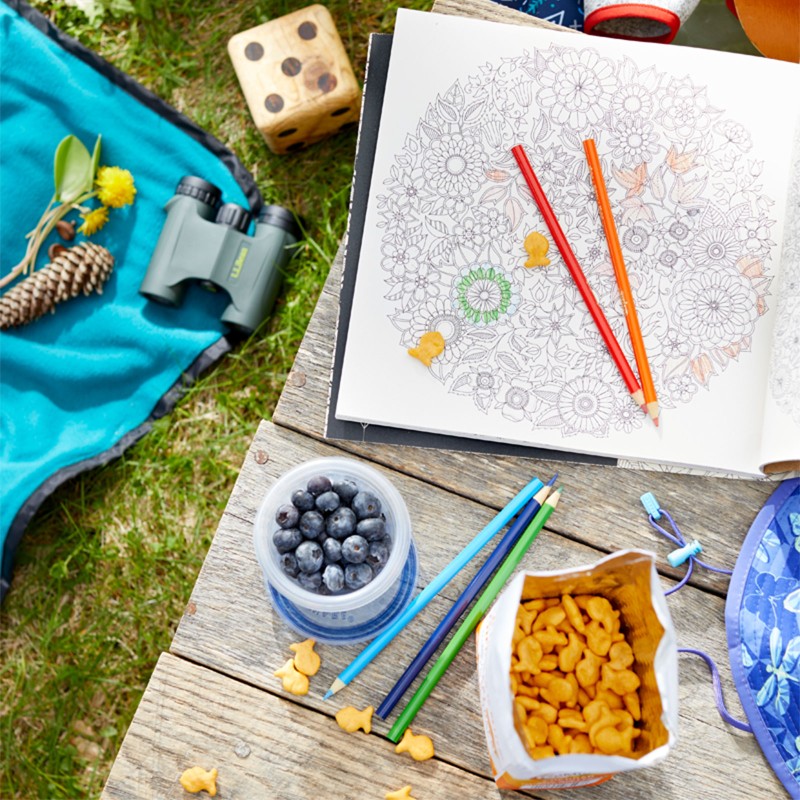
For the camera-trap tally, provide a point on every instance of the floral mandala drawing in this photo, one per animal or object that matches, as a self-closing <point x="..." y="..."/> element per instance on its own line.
<point x="691" y="213"/>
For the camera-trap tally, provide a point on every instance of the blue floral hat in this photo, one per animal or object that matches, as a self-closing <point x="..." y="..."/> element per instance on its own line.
<point x="762" y="618"/>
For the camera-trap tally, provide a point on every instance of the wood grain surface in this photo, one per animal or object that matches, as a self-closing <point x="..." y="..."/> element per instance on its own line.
<point x="263" y="748"/>
<point x="214" y="701"/>
<point x="604" y="509"/>
<point x="230" y="627"/>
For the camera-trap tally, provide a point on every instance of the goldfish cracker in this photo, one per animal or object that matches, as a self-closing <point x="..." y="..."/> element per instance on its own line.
<point x="305" y="659"/>
<point x="570" y="655"/>
<point x="419" y="747"/>
<point x="400" y="794"/>
<point x="580" y="744"/>
<point x="550" y="617"/>
<point x="556" y="692"/>
<point x="536" y="730"/>
<point x="543" y="751"/>
<point x="570" y="678"/>
<point x="293" y="681"/>
<point x="573" y="613"/>
<point x="598" y="608"/>
<point x="351" y="719"/>
<point x="196" y="779"/>
<point x="632" y="704"/>
<point x="621" y="681"/>
<point x="528" y="703"/>
<point x="529" y="653"/>
<point x="598" y="638"/>
<point x="572" y="719"/>
<point x="534" y="605"/>
<point x="431" y="345"/>
<point x="525" y="619"/>
<point x="620" y="655"/>
<point x="610" y="698"/>
<point x="549" y="663"/>
<point x="549" y="638"/>
<point x="587" y="670"/>
<point x="558" y="740"/>
<point x="547" y="712"/>
<point x="573" y="684"/>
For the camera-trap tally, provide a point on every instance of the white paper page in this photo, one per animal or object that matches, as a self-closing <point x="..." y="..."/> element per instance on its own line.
<point x="781" y="436"/>
<point x="700" y="153"/>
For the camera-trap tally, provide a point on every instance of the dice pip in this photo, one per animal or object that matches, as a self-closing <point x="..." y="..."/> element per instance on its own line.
<point x="296" y="78"/>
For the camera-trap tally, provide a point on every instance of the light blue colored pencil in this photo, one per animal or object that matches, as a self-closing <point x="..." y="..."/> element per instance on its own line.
<point x="365" y="657"/>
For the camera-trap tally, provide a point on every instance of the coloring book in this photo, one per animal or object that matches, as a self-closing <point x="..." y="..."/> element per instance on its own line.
<point x="697" y="150"/>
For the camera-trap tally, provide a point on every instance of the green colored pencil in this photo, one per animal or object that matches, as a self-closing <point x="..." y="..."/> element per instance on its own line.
<point x="471" y="622"/>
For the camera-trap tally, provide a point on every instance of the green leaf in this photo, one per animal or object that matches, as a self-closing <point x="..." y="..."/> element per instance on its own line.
<point x="96" y="156"/>
<point x="72" y="169"/>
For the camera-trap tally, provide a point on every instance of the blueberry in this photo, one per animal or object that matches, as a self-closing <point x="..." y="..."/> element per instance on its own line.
<point x="332" y="548"/>
<point x="311" y="524"/>
<point x="355" y="549"/>
<point x="365" y="504"/>
<point x="303" y="500"/>
<point x="357" y="576"/>
<point x="309" y="556"/>
<point x="318" y="484"/>
<point x="310" y="580"/>
<point x="347" y="490"/>
<point x="286" y="539"/>
<point x="333" y="578"/>
<point x="327" y="502"/>
<point x="379" y="553"/>
<point x="289" y="564"/>
<point x="371" y="528"/>
<point x="341" y="524"/>
<point x="287" y="515"/>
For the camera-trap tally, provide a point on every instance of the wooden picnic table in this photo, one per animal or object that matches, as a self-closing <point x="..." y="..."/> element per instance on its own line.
<point x="213" y="701"/>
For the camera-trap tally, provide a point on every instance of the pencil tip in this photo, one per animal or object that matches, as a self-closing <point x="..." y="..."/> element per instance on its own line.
<point x="655" y="421"/>
<point x="643" y="406"/>
<point x="552" y="480"/>
<point x="327" y="694"/>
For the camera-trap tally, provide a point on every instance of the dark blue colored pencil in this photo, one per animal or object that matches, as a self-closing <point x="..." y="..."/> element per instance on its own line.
<point x="460" y="606"/>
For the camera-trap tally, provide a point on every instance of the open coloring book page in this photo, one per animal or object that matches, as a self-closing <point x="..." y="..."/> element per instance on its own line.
<point x="696" y="148"/>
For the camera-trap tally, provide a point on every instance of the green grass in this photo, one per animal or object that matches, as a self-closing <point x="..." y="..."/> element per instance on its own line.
<point x="107" y="565"/>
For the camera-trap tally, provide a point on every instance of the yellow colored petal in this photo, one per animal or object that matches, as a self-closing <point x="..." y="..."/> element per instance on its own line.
<point x="93" y="220"/>
<point x="115" y="187"/>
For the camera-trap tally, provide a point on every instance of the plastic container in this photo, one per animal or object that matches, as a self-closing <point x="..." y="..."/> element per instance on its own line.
<point x="348" y="617"/>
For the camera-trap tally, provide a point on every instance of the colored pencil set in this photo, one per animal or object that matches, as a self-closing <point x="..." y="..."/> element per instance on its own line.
<point x="532" y="507"/>
<point x="644" y="394"/>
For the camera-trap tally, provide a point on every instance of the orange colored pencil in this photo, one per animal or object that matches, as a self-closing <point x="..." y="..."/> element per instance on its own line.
<point x="628" y="306"/>
<point x="571" y="262"/>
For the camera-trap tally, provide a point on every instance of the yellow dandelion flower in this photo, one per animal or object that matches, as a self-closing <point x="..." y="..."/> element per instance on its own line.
<point x="93" y="220"/>
<point x="115" y="187"/>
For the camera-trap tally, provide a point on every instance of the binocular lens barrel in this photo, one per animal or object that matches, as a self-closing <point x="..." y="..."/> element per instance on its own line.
<point x="234" y="216"/>
<point x="199" y="189"/>
<point x="282" y="218"/>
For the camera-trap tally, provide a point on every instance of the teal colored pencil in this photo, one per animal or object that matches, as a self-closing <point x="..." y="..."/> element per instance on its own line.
<point x="471" y="622"/>
<point x="365" y="657"/>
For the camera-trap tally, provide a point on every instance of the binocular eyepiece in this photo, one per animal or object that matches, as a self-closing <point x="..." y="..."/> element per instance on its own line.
<point x="206" y="240"/>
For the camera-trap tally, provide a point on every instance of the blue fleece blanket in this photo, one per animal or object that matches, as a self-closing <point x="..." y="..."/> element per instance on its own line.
<point x="79" y="385"/>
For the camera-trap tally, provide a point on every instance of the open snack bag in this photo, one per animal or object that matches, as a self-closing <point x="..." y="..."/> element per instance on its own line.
<point x="578" y="672"/>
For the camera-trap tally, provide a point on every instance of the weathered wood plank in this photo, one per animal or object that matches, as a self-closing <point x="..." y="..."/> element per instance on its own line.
<point x="262" y="747"/>
<point x="229" y="626"/>
<point x="604" y="509"/>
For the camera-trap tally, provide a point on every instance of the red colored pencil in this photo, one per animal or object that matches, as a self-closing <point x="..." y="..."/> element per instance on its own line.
<point x="580" y="279"/>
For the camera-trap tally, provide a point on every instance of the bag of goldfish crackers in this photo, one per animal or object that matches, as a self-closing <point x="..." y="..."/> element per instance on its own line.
<point x="578" y="672"/>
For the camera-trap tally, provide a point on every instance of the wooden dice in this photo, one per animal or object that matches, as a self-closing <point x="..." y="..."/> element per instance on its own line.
<point x="296" y="78"/>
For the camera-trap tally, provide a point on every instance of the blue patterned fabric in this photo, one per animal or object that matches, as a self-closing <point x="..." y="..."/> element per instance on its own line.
<point x="763" y="625"/>
<point x="568" y="13"/>
<point x="76" y="384"/>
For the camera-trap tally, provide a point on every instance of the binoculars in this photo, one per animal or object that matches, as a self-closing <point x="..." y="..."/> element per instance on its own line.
<point x="208" y="242"/>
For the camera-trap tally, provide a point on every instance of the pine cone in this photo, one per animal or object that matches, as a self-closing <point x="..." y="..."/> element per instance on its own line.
<point x="83" y="268"/>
